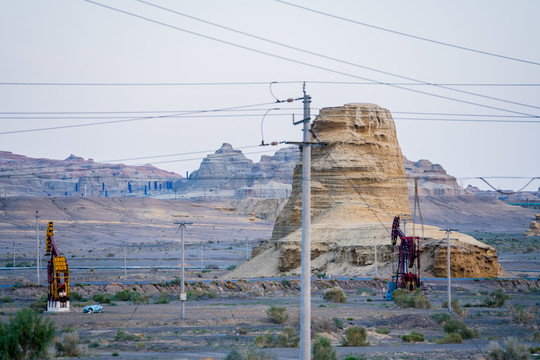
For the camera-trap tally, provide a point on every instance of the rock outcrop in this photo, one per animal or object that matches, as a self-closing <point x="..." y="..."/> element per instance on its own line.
<point x="534" y="227"/>
<point x="358" y="185"/>
<point x="432" y="179"/>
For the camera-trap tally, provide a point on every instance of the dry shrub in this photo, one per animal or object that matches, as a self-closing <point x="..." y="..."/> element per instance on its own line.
<point x="249" y="354"/>
<point x="355" y="336"/>
<point x="335" y="294"/>
<point x="68" y="346"/>
<point x="496" y="299"/>
<point x="277" y="315"/>
<point x="513" y="350"/>
<point x="523" y="315"/>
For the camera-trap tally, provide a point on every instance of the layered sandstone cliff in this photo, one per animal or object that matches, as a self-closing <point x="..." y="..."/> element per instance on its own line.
<point x="358" y="185"/>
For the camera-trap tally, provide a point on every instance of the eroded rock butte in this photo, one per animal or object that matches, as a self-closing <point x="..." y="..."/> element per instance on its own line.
<point x="358" y="185"/>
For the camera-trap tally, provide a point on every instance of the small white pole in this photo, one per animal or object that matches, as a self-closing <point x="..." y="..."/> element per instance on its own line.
<point x="182" y="290"/>
<point x="37" y="246"/>
<point x="125" y="261"/>
<point x="375" y="247"/>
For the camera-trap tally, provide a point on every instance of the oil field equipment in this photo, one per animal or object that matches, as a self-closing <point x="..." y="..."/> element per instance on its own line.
<point x="407" y="275"/>
<point x="57" y="276"/>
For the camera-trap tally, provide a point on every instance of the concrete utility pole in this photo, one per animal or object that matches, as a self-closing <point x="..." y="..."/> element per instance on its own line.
<point x="448" y="266"/>
<point x="183" y="296"/>
<point x="305" y="309"/>
<point x="37" y="246"/>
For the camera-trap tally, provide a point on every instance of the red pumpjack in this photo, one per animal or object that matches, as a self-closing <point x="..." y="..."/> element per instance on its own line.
<point x="407" y="276"/>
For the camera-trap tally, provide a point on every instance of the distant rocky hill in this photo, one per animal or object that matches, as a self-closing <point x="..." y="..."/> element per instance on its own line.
<point x="75" y="176"/>
<point x="229" y="174"/>
<point x="226" y="174"/>
<point x="432" y="178"/>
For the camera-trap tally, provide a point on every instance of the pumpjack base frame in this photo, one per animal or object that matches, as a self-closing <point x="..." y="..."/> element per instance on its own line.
<point x="54" y="306"/>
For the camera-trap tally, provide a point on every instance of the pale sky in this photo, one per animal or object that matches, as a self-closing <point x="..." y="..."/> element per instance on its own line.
<point x="78" y="42"/>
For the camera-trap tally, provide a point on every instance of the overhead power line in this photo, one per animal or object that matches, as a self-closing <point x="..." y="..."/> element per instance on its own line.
<point x="330" y="57"/>
<point x="409" y="35"/>
<point x="182" y="114"/>
<point x="297" y="61"/>
<point x="254" y="83"/>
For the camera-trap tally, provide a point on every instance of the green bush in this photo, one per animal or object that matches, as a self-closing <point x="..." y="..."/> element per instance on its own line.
<point x="355" y="336"/>
<point x="277" y="315"/>
<point x="123" y="295"/>
<point x="404" y="299"/>
<point x="450" y="338"/>
<point x="27" y="336"/>
<point x="382" y="331"/>
<point x="5" y="299"/>
<point x="122" y="335"/>
<point x="441" y="317"/>
<point x="68" y="346"/>
<point x="496" y="299"/>
<point x="139" y="299"/>
<point x="513" y="350"/>
<point x="287" y="339"/>
<point x="39" y="305"/>
<point x="322" y="349"/>
<point x="102" y="298"/>
<point x="75" y="296"/>
<point x="456" y="326"/>
<point x="163" y="298"/>
<point x="456" y="306"/>
<point x="200" y="294"/>
<point x="335" y="294"/>
<point x="414" y="336"/>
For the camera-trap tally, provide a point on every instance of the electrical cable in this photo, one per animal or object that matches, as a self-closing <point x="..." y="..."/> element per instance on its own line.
<point x="260" y="83"/>
<point x="251" y="116"/>
<point x="125" y="120"/>
<point x="329" y="57"/>
<point x="175" y="116"/>
<point x="511" y="192"/>
<point x="126" y="112"/>
<point x="408" y="35"/>
<point x="297" y="61"/>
